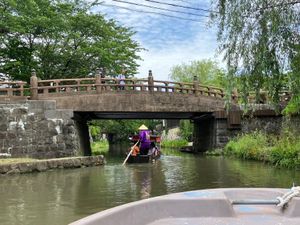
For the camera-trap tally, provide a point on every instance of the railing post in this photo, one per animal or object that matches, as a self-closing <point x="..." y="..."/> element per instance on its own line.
<point x="98" y="81"/>
<point x="150" y="81"/>
<point x="196" y="86"/>
<point x="33" y="85"/>
<point x="22" y="89"/>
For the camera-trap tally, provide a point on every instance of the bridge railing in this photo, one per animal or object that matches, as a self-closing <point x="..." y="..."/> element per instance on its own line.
<point x="284" y="97"/>
<point x="14" y="90"/>
<point x="46" y="88"/>
<point x="61" y="86"/>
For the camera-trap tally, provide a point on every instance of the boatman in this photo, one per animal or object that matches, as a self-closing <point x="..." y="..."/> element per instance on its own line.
<point x="144" y="135"/>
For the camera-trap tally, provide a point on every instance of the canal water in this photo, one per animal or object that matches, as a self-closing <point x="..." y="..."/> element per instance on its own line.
<point x="59" y="197"/>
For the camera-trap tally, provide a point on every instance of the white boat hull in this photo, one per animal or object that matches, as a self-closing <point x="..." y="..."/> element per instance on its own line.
<point x="207" y="207"/>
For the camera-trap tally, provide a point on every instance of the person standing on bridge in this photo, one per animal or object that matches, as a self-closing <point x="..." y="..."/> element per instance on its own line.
<point x="144" y="135"/>
<point x="121" y="79"/>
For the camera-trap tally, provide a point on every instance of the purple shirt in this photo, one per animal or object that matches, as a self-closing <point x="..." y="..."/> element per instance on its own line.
<point x="145" y="138"/>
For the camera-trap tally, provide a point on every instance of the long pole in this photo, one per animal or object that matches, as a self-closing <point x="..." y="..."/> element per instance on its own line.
<point x="130" y="152"/>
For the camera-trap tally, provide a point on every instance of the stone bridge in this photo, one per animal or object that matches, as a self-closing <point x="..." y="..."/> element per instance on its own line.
<point x="54" y="113"/>
<point x="137" y="98"/>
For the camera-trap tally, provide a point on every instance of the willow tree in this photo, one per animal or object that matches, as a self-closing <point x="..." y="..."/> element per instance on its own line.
<point x="258" y="39"/>
<point x="60" y="39"/>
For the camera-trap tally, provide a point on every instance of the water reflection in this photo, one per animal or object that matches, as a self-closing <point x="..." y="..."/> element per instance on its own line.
<point x="62" y="196"/>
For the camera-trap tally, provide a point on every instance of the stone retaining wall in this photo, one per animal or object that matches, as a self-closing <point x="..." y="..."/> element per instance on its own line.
<point x="44" y="165"/>
<point x="270" y="125"/>
<point x="36" y="129"/>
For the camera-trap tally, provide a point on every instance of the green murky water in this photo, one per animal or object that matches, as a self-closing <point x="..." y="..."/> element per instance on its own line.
<point x="61" y="196"/>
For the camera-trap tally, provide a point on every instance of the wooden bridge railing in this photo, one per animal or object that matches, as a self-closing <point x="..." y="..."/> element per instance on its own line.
<point x="60" y="87"/>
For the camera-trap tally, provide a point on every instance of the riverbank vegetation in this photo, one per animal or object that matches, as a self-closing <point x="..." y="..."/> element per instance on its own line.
<point x="100" y="147"/>
<point x="119" y="130"/>
<point x="178" y="143"/>
<point x="282" y="151"/>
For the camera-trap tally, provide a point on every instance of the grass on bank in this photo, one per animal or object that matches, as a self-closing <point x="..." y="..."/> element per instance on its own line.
<point x="99" y="147"/>
<point x="174" y="143"/>
<point x="283" y="151"/>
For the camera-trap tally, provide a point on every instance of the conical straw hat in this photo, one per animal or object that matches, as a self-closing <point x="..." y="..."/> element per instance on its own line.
<point x="143" y="127"/>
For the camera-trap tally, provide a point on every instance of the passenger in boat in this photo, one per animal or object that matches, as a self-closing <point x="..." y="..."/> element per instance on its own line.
<point x="154" y="151"/>
<point x="135" y="151"/>
<point x="144" y="135"/>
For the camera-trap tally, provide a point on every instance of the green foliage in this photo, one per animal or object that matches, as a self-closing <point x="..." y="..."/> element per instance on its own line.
<point x="100" y="147"/>
<point x="186" y="129"/>
<point x="286" y="152"/>
<point x="95" y="132"/>
<point x="293" y="106"/>
<point x="248" y="146"/>
<point x="61" y="39"/>
<point x="206" y="71"/>
<point x="123" y="128"/>
<point x="174" y="143"/>
<point x="258" y="38"/>
<point x="282" y="151"/>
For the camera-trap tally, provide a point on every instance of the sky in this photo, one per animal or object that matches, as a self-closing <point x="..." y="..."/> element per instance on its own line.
<point x="168" y="41"/>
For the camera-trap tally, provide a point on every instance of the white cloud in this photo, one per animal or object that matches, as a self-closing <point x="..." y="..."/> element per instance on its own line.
<point x="160" y="61"/>
<point x="169" y="41"/>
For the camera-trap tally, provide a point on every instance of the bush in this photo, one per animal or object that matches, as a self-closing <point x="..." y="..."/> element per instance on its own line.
<point x="286" y="152"/>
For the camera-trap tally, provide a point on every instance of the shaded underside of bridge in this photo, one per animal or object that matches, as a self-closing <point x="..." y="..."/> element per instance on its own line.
<point x="140" y="115"/>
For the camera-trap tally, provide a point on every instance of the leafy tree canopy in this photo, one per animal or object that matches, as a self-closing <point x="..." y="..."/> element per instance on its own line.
<point x="259" y="39"/>
<point x="61" y="39"/>
<point x="207" y="72"/>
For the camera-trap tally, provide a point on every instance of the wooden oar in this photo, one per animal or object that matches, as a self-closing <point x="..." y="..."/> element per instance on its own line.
<point x="130" y="152"/>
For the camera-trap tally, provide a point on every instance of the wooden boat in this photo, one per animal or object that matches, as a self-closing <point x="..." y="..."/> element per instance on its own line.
<point x="209" y="207"/>
<point x="146" y="158"/>
<point x="143" y="158"/>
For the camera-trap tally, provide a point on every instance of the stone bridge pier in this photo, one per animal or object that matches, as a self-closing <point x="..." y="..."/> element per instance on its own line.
<point x="204" y="130"/>
<point x="214" y="130"/>
<point x="82" y="128"/>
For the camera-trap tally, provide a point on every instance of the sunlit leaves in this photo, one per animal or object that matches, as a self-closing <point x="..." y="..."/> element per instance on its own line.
<point x="61" y="39"/>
